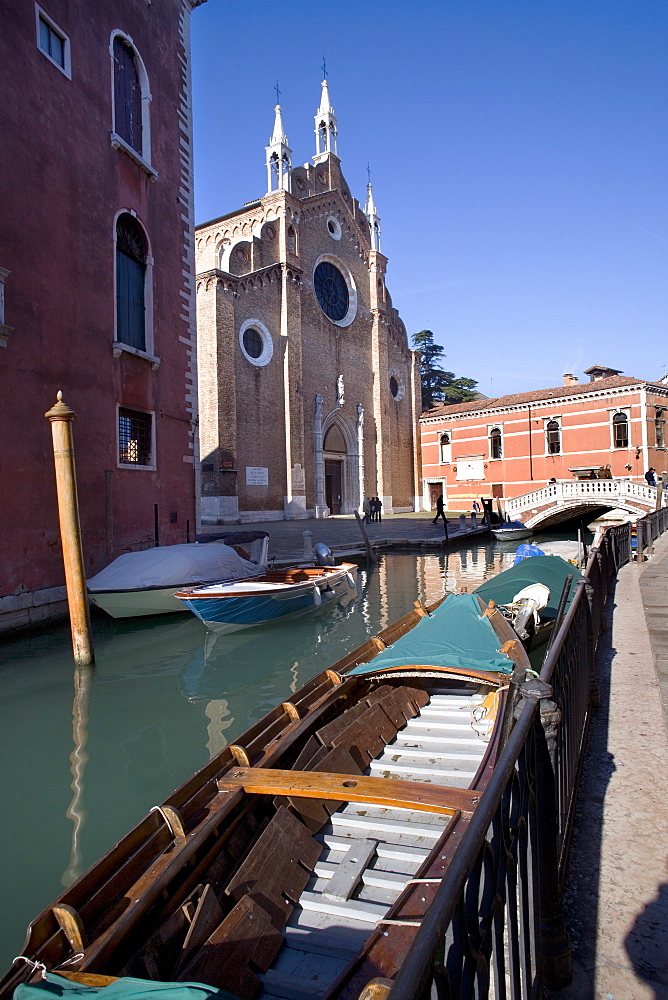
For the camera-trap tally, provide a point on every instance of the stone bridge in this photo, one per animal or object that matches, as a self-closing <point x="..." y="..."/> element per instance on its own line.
<point x="560" y="501"/>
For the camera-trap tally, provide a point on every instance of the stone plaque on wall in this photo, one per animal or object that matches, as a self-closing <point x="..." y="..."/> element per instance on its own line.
<point x="470" y="469"/>
<point x="257" y="476"/>
<point x="298" y="479"/>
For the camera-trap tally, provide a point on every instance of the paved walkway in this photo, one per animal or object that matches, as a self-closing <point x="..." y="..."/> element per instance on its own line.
<point x="617" y="884"/>
<point x="342" y="534"/>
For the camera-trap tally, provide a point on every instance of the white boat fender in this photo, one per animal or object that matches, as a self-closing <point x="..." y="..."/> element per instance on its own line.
<point x="317" y="596"/>
<point x="350" y="579"/>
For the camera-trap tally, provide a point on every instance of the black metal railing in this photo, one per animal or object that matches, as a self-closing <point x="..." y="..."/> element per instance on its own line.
<point x="495" y="927"/>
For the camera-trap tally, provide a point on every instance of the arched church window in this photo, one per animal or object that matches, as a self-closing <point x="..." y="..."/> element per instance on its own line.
<point x="127" y="95"/>
<point x="394" y="385"/>
<point x="553" y="435"/>
<point x="620" y="430"/>
<point x="131" y="254"/>
<point x="495" y="443"/>
<point x="292" y="240"/>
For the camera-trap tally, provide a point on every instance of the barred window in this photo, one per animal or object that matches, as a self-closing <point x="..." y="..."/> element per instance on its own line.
<point x="135" y="437"/>
<point x="553" y="434"/>
<point x="620" y="430"/>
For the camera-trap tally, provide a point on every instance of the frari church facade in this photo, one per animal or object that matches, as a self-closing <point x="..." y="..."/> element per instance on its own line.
<point x="309" y="392"/>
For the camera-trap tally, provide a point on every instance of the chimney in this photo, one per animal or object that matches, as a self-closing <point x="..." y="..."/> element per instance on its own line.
<point x="570" y="379"/>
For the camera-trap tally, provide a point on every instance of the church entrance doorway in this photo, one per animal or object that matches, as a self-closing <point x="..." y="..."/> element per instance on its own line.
<point x="333" y="484"/>
<point x="335" y="451"/>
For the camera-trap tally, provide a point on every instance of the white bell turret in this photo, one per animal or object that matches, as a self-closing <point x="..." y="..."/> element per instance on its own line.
<point x="279" y="163"/>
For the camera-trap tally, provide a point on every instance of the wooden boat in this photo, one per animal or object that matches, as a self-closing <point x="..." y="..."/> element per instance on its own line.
<point x="276" y="595"/>
<point x="301" y="860"/>
<point x="511" y="531"/>
<point x="137" y="584"/>
<point x="529" y="594"/>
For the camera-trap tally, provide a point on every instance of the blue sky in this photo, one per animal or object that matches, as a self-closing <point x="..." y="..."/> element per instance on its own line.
<point x="518" y="151"/>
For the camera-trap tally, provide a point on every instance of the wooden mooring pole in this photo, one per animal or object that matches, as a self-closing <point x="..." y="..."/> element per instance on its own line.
<point x="61" y="417"/>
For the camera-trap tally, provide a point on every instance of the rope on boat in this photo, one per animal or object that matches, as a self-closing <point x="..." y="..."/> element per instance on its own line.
<point x="34" y="966"/>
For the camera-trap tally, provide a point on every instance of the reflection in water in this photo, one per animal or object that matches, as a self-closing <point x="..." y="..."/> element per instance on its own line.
<point x="83" y="676"/>
<point x="164" y="697"/>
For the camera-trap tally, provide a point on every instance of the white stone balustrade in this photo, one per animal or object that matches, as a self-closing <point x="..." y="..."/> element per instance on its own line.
<point x="634" y="497"/>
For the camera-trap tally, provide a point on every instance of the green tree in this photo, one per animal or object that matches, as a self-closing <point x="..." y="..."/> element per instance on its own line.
<point x="439" y="386"/>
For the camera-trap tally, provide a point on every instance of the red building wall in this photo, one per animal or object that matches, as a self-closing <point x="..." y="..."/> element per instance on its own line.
<point x="64" y="185"/>
<point x="584" y="414"/>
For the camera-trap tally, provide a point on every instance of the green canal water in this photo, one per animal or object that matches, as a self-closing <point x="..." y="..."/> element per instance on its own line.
<point x="83" y="756"/>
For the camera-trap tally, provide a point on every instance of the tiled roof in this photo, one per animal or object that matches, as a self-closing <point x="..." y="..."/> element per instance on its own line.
<point x="559" y="392"/>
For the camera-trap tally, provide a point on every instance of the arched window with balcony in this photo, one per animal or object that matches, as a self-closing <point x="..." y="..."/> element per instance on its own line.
<point x="445" y="448"/>
<point x="131" y="263"/>
<point x="495" y="443"/>
<point x="620" y="430"/>
<point x="553" y="437"/>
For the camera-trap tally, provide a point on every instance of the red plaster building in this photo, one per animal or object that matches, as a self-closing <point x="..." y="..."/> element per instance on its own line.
<point x="96" y="271"/>
<point x="503" y="448"/>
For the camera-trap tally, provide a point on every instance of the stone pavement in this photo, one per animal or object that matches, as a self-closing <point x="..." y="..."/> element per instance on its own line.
<point x="616" y="898"/>
<point x="343" y="536"/>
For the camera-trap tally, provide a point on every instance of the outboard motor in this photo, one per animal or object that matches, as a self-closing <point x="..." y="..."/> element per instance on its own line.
<point x="323" y="554"/>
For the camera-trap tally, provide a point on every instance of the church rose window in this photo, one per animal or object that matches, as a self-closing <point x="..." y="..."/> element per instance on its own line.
<point x="331" y="290"/>
<point x="253" y="342"/>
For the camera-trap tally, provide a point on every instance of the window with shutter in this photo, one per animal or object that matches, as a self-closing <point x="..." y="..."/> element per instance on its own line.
<point x="131" y="252"/>
<point x="127" y="96"/>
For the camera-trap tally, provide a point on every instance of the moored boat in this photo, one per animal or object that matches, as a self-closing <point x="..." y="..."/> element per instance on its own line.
<point x="275" y="596"/>
<point x="530" y="593"/>
<point x="511" y="531"/>
<point x="301" y="860"/>
<point x="145" y="582"/>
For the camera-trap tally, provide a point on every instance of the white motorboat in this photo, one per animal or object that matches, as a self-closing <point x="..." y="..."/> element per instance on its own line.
<point x="144" y="583"/>
<point x="511" y="531"/>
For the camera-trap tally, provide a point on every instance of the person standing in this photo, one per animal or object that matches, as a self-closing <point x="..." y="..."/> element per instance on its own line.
<point x="379" y="509"/>
<point x="650" y="477"/>
<point x="366" y="509"/>
<point x="439" y="510"/>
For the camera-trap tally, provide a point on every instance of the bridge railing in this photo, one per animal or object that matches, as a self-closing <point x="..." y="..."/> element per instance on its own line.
<point x="604" y="490"/>
<point x="495" y="927"/>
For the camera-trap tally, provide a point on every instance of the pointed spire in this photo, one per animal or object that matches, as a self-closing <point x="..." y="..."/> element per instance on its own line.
<point x="325" y="103"/>
<point x="278" y="135"/>
<point x="278" y="155"/>
<point x="325" y="125"/>
<point x="371" y="213"/>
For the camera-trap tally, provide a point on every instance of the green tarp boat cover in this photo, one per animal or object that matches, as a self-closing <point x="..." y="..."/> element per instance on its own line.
<point x="548" y="570"/>
<point x="125" y="988"/>
<point x="454" y="636"/>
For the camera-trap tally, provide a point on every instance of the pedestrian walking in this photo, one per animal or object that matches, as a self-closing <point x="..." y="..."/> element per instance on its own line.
<point x="439" y="510"/>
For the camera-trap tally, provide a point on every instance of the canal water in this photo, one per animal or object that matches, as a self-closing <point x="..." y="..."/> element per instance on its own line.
<point x="84" y="755"/>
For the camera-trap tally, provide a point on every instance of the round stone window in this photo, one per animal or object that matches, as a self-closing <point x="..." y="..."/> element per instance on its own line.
<point x="331" y="290"/>
<point x="396" y="386"/>
<point x="334" y="228"/>
<point x="335" y="290"/>
<point x="256" y="343"/>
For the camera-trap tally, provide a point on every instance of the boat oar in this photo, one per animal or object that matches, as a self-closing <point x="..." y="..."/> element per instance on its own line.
<point x="560" y="611"/>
